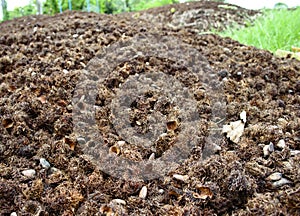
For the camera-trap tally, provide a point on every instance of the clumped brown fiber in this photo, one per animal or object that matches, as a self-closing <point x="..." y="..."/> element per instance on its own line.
<point x="41" y="59"/>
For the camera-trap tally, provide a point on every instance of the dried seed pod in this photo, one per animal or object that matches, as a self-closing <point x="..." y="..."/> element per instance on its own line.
<point x="42" y="99"/>
<point x="181" y="177"/>
<point x="143" y="192"/>
<point x="274" y="177"/>
<point x="106" y="210"/>
<point x="114" y="149"/>
<point x="173" y="193"/>
<point x="7" y="123"/>
<point x="196" y="195"/>
<point x="172" y="125"/>
<point x="205" y="192"/>
<point x="70" y="142"/>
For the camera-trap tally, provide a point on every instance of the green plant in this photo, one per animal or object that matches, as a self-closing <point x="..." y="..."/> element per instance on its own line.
<point x="276" y="29"/>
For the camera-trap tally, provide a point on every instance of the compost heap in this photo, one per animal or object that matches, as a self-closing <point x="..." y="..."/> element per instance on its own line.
<point x="43" y="169"/>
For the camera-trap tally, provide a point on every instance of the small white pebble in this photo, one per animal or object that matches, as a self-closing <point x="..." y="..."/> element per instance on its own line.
<point x="65" y="71"/>
<point x="161" y="191"/>
<point x="82" y="64"/>
<point x="243" y="116"/>
<point x="295" y="152"/>
<point x="143" y="192"/>
<point x="119" y="201"/>
<point x="75" y="35"/>
<point x="225" y="79"/>
<point x="35" y="29"/>
<point x="81" y="140"/>
<point x="266" y="150"/>
<point x="152" y="157"/>
<point x="44" y="163"/>
<point x="13" y="214"/>
<point x="29" y="173"/>
<point x="271" y="147"/>
<point x="281" y="182"/>
<point x="281" y="144"/>
<point x="121" y="143"/>
<point x="287" y="164"/>
<point x="274" y="177"/>
<point x="181" y="177"/>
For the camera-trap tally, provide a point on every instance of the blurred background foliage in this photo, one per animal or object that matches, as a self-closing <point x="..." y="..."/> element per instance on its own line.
<point x="99" y="6"/>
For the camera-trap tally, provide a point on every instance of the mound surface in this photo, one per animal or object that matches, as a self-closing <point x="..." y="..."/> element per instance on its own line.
<point x="43" y="166"/>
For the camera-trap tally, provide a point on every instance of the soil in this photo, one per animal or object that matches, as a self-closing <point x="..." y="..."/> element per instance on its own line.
<point x="41" y="60"/>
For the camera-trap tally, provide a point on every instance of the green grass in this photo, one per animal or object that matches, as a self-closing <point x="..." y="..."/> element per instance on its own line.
<point x="276" y="29"/>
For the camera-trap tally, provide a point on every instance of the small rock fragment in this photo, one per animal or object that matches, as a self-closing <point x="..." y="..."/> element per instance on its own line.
<point x="282" y="123"/>
<point x="29" y="173"/>
<point x="143" y="192"/>
<point x="53" y="170"/>
<point x="271" y="147"/>
<point x="274" y="177"/>
<point x="181" y="177"/>
<point x="281" y="144"/>
<point x="119" y="201"/>
<point x="295" y="152"/>
<point x="281" y="182"/>
<point x="44" y="163"/>
<point x="13" y="214"/>
<point x="121" y="143"/>
<point x="287" y="165"/>
<point x="81" y="140"/>
<point x="268" y="149"/>
<point x="161" y="191"/>
<point x="243" y="116"/>
<point x="223" y="73"/>
<point x="152" y="156"/>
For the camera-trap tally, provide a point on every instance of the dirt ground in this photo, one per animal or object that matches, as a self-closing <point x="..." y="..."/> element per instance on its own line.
<point x="41" y="60"/>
